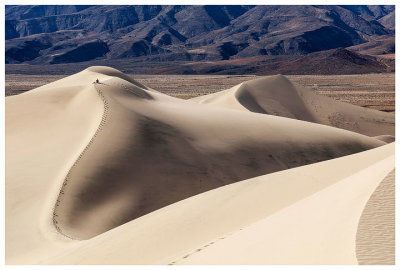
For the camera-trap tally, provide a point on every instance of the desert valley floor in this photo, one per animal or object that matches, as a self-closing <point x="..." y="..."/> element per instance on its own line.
<point x="375" y="91"/>
<point x="268" y="171"/>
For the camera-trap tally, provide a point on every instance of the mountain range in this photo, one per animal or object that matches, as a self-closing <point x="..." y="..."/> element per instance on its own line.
<point x="71" y="34"/>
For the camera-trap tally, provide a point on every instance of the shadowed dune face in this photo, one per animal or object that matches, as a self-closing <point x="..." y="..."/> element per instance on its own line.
<point x="153" y="150"/>
<point x="276" y="95"/>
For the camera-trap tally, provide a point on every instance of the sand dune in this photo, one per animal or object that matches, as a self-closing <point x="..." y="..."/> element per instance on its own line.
<point x="84" y="158"/>
<point x="277" y="95"/>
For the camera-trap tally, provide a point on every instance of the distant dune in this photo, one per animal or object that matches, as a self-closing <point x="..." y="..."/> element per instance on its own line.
<point x="145" y="178"/>
<point x="276" y="95"/>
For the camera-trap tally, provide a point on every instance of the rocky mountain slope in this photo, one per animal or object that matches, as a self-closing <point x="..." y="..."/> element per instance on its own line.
<point x="70" y="34"/>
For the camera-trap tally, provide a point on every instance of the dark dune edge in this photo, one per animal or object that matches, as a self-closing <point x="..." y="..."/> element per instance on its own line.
<point x="386" y="138"/>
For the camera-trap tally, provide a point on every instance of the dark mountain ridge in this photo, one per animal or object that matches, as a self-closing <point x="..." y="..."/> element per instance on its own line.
<point x="72" y="34"/>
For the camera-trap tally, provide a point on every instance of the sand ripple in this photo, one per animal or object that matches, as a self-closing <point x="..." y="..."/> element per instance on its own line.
<point x="375" y="243"/>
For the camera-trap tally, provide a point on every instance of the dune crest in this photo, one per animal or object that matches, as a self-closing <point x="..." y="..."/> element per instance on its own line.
<point x="112" y="72"/>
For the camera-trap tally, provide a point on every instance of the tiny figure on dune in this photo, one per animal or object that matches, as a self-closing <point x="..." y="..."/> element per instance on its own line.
<point x="97" y="81"/>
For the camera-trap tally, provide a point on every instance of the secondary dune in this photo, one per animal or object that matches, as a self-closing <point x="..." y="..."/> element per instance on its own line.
<point x="83" y="158"/>
<point x="277" y="95"/>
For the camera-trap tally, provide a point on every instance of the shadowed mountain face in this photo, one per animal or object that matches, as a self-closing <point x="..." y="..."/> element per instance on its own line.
<point x="65" y="34"/>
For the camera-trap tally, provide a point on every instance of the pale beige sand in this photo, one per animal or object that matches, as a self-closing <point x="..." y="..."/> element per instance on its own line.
<point x="95" y="156"/>
<point x="310" y="216"/>
<point x="320" y="229"/>
<point x="277" y="95"/>
<point x="376" y="229"/>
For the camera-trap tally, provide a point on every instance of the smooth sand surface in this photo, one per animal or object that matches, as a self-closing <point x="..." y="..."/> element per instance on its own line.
<point x="96" y="172"/>
<point x="277" y="95"/>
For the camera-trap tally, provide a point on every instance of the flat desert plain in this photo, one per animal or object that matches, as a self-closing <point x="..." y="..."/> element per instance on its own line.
<point x="106" y="168"/>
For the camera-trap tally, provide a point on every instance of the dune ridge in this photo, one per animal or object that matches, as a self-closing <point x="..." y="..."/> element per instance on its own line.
<point x="65" y="182"/>
<point x="103" y="157"/>
<point x="46" y="131"/>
